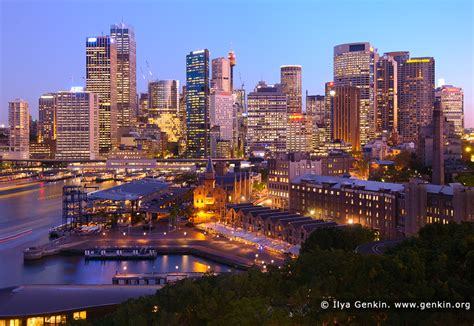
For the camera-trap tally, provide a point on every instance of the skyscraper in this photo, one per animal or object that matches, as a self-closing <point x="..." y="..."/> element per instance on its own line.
<point x="19" y="123"/>
<point x="197" y="104"/>
<point x="267" y="119"/>
<point x="451" y="101"/>
<point x="47" y="122"/>
<point x="221" y="113"/>
<point x="47" y="118"/>
<point x="354" y="65"/>
<point x="329" y="99"/>
<point x="438" y="145"/>
<point x="101" y="79"/>
<point x="387" y="96"/>
<point x="163" y="106"/>
<point x="290" y="79"/>
<point x="346" y="120"/>
<point x="77" y="116"/>
<point x="317" y="118"/>
<point x="124" y="36"/>
<point x="416" y="97"/>
<point x="221" y="79"/>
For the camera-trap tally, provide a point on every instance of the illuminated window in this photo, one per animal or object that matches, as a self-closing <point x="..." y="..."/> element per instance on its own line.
<point x="79" y="315"/>
<point x="35" y="321"/>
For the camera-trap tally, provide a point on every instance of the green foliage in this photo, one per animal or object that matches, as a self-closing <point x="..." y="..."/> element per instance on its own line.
<point x="435" y="266"/>
<point x="347" y="238"/>
<point x="467" y="179"/>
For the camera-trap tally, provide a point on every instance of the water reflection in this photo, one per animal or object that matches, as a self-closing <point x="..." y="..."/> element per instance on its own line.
<point x="77" y="270"/>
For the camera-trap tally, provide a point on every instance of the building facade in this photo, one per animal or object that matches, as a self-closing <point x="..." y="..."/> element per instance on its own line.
<point x="354" y="65"/>
<point x="416" y="97"/>
<point x="101" y="79"/>
<point x="221" y="75"/>
<point x="451" y="99"/>
<point x="78" y="118"/>
<point x="394" y="210"/>
<point x="163" y="107"/>
<point x="387" y="95"/>
<point x="267" y="119"/>
<point x="19" y="125"/>
<point x="290" y="80"/>
<point x="126" y="73"/>
<point x="197" y="104"/>
<point x="345" y="117"/>
<point x="47" y="123"/>
<point x="285" y="167"/>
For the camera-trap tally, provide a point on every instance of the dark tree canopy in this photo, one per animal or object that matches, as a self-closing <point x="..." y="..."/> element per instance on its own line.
<point x="437" y="265"/>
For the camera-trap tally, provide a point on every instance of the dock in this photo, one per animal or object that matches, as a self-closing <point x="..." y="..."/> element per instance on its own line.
<point x="121" y="254"/>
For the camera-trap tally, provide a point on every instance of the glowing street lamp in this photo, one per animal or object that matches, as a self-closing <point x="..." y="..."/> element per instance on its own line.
<point x="176" y="267"/>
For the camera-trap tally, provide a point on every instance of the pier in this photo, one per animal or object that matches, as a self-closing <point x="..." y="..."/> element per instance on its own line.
<point x="121" y="254"/>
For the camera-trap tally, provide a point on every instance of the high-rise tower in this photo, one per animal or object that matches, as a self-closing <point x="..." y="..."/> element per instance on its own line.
<point x="124" y="36"/>
<point x="19" y="123"/>
<point x="290" y="79"/>
<point x="386" y="95"/>
<point x="416" y="97"/>
<point x="101" y="79"/>
<point x="354" y="65"/>
<point x="197" y="104"/>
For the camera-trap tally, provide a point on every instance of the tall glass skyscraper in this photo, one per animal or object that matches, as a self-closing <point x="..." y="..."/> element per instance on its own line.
<point x="101" y="79"/>
<point x="197" y="104"/>
<point x="354" y="65"/>
<point x="124" y="36"/>
<point x="417" y="95"/>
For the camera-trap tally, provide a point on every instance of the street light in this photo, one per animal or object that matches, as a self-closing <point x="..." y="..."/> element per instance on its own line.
<point x="124" y="233"/>
<point x="144" y="233"/>
<point x="176" y="267"/>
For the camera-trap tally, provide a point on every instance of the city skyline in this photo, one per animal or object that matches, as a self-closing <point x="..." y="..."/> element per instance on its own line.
<point x="308" y="42"/>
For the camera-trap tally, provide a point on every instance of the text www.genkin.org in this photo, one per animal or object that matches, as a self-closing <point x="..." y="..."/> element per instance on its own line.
<point x="377" y="304"/>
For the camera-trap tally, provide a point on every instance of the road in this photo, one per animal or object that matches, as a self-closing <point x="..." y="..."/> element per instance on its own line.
<point x="377" y="247"/>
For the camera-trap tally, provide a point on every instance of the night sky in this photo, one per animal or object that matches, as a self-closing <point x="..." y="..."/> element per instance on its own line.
<point x="42" y="42"/>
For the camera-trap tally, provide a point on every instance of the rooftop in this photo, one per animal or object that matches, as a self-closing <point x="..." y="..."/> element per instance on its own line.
<point x="339" y="182"/>
<point x="31" y="300"/>
<point x="134" y="190"/>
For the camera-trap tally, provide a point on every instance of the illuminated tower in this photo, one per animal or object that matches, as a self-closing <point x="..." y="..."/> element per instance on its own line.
<point x="19" y="123"/>
<point x="416" y="97"/>
<point x="77" y="114"/>
<point x="124" y="36"/>
<point x="233" y="62"/>
<point x="386" y="96"/>
<point x="101" y="79"/>
<point x="197" y="104"/>
<point x="346" y="120"/>
<point x="267" y="118"/>
<point x="290" y="78"/>
<point x="47" y="121"/>
<point x="354" y="65"/>
<point x="451" y="101"/>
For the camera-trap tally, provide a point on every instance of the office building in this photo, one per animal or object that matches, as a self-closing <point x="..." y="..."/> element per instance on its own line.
<point x="19" y="125"/>
<point x="267" y="119"/>
<point x="346" y="119"/>
<point x="451" y="100"/>
<point x="221" y="75"/>
<point x="317" y="119"/>
<point x="298" y="133"/>
<point x="416" y="97"/>
<point x="290" y="80"/>
<point x="101" y="79"/>
<point x="354" y="65"/>
<point x="393" y="210"/>
<point x="124" y="36"/>
<point x="285" y="167"/>
<point x="197" y="104"/>
<point x="77" y="125"/>
<point x="221" y="113"/>
<point x="386" y="95"/>
<point x="47" y="124"/>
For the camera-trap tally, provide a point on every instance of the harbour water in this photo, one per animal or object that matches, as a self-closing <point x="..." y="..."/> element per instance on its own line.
<point x="26" y="215"/>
